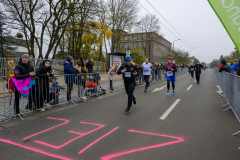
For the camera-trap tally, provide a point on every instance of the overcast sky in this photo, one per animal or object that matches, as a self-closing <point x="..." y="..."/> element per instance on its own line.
<point x="196" y="21"/>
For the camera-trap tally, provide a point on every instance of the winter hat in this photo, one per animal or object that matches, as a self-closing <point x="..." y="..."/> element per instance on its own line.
<point x="26" y="56"/>
<point x="224" y="61"/>
<point x="69" y="58"/>
<point x="47" y="61"/>
<point x="128" y="58"/>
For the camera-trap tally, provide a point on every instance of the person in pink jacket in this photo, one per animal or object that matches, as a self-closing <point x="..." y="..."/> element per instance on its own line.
<point x="112" y="71"/>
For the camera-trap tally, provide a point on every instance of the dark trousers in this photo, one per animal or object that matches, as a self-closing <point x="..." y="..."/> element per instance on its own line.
<point x="69" y="91"/>
<point x="129" y="90"/>
<point x="192" y="74"/>
<point x="111" y="85"/>
<point x="17" y="97"/>
<point x="198" y="76"/>
<point x="42" y="98"/>
<point x="168" y="85"/>
<point x="146" y="79"/>
<point x="32" y="96"/>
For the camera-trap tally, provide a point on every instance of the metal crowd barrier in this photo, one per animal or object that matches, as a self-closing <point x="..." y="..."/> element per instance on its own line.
<point x="230" y="86"/>
<point x="45" y="94"/>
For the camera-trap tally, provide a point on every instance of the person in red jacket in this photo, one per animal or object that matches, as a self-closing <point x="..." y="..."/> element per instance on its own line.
<point x="170" y="74"/>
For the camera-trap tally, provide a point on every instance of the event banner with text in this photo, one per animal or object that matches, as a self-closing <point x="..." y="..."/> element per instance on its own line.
<point x="228" y="11"/>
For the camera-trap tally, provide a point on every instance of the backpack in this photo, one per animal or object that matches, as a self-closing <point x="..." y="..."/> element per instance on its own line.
<point x="10" y="85"/>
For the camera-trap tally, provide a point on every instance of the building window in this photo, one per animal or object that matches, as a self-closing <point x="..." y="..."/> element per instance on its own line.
<point x="139" y="44"/>
<point x="121" y="45"/>
<point x="140" y="37"/>
<point x="135" y="37"/>
<point x="135" y="44"/>
<point x="130" y="45"/>
<point x="130" y="37"/>
<point x="126" y="45"/>
<point x="144" y="44"/>
<point x="126" y="38"/>
<point x="144" y="36"/>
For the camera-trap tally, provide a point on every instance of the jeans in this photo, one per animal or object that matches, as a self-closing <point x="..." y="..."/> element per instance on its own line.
<point x="146" y="79"/>
<point x="69" y="91"/>
<point x="129" y="90"/>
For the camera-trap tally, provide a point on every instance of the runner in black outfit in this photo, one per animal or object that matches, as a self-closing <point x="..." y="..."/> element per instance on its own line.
<point x="129" y="72"/>
<point x="191" y="70"/>
<point x="198" y="69"/>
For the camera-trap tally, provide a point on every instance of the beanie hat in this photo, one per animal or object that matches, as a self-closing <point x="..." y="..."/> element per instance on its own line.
<point x="128" y="58"/>
<point x="69" y="58"/>
<point x="224" y="61"/>
<point x="47" y="61"/>
<point x="26" y="56"/>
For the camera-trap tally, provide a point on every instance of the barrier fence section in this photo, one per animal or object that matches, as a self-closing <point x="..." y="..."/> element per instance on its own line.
<point x="230" y="86"/>
<point x="48" y="92"/>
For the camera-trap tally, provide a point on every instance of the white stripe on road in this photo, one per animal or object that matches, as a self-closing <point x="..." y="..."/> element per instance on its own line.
<point x="189" y="87"/>
<point x="170" y="109"/>
<point x="159" y="89"/>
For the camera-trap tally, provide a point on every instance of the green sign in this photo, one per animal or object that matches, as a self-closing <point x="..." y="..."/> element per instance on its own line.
<point x="228" y="11"/>
<point x="128" y="53"/>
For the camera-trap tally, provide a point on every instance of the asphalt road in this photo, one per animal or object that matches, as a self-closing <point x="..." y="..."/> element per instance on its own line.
<point x="192" y="126"/>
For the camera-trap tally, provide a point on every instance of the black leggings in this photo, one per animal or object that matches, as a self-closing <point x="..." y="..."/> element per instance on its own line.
<point x="146" y="78"/>
<point x="168" y="85"/>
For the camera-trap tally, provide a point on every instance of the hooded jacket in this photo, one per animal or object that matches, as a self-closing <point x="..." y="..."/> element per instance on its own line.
<point x="69" y="72"/>
<point x="225" y="68"/>
<point x="43" y="79"/>
<point x="22" y="70"/>
<point x="90" y="65"/>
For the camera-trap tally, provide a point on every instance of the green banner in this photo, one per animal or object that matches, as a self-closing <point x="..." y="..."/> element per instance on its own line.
<point x="228" y="11"/>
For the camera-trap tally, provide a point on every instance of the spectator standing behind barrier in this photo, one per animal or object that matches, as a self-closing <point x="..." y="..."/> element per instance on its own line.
<point x="22" y="70"/>
<point x="55" y="90"/>
<point x="90" y="65"/>
<point x="69" y="75"/>
<point x="232" y="67"/>
<point x="112" y="71"/>
<point x="236" y="65"/>
<point x="238" y="71"/>
<point x="43" y="73"/>
<point x="81" y="65"/>
<point x="225" y="67"/>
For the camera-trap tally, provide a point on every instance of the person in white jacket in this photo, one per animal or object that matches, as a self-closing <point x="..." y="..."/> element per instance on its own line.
<point x="112" y="71"/>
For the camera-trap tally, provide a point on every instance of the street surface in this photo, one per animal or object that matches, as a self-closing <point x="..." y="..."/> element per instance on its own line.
<point x="188" y="126"/>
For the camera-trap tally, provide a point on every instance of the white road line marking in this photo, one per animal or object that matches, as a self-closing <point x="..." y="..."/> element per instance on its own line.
<point x="164" y="116"/>
<point x="159" y="89"/>
<point x="189" y="87"/>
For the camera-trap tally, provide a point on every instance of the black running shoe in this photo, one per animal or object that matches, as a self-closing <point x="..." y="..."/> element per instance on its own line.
<point x="135" y="100"/>
<point x="127" y="109"/>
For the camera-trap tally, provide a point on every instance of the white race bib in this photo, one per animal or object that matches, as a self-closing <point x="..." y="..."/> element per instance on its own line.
<point x="169" y="73"/>
<point x="192" y="69"/>
<point x="127" y="74"/>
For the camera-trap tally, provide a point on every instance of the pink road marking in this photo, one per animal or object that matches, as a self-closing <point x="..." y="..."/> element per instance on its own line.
<point x="145" y="148"/>
<point x="81" y="134"/>
<point x="97" y="140"/>
<point x="66" y="121"/>
<point x="35" y="150"/>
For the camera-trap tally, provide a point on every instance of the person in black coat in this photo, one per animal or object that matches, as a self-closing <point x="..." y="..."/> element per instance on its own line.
<point x="43" y="73"/>
<point x="198" y="70"/>
<point x="225" y="67"/>
<point x="22" y="70"/>
<point x="90" y="65"/>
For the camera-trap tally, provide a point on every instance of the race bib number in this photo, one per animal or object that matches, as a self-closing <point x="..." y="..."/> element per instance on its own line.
<point x="169" y="73"/>
<point x="146" y="70"/>
<point x="127" y="74"/>
<point x="192" y="69"/>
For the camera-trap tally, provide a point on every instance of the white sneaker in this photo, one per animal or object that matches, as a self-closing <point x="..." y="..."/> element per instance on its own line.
<point x="42" y="110"/>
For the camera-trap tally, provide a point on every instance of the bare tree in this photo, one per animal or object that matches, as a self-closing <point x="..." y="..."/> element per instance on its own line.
<point x="122" y="14"/>
<point x="36" y="17"/>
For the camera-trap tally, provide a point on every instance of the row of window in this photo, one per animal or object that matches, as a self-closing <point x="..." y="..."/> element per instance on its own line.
<point x="132" y="45"/>
<point x="135" y="37"/>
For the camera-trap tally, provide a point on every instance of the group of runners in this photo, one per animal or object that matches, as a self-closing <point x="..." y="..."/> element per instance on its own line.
<point x="129" y="71"/>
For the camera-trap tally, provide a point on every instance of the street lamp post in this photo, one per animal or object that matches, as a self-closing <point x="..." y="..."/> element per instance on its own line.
<point x="175" y="41"/>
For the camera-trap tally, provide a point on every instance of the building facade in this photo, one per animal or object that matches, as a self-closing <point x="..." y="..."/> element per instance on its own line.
<point x="152" y="45"/>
